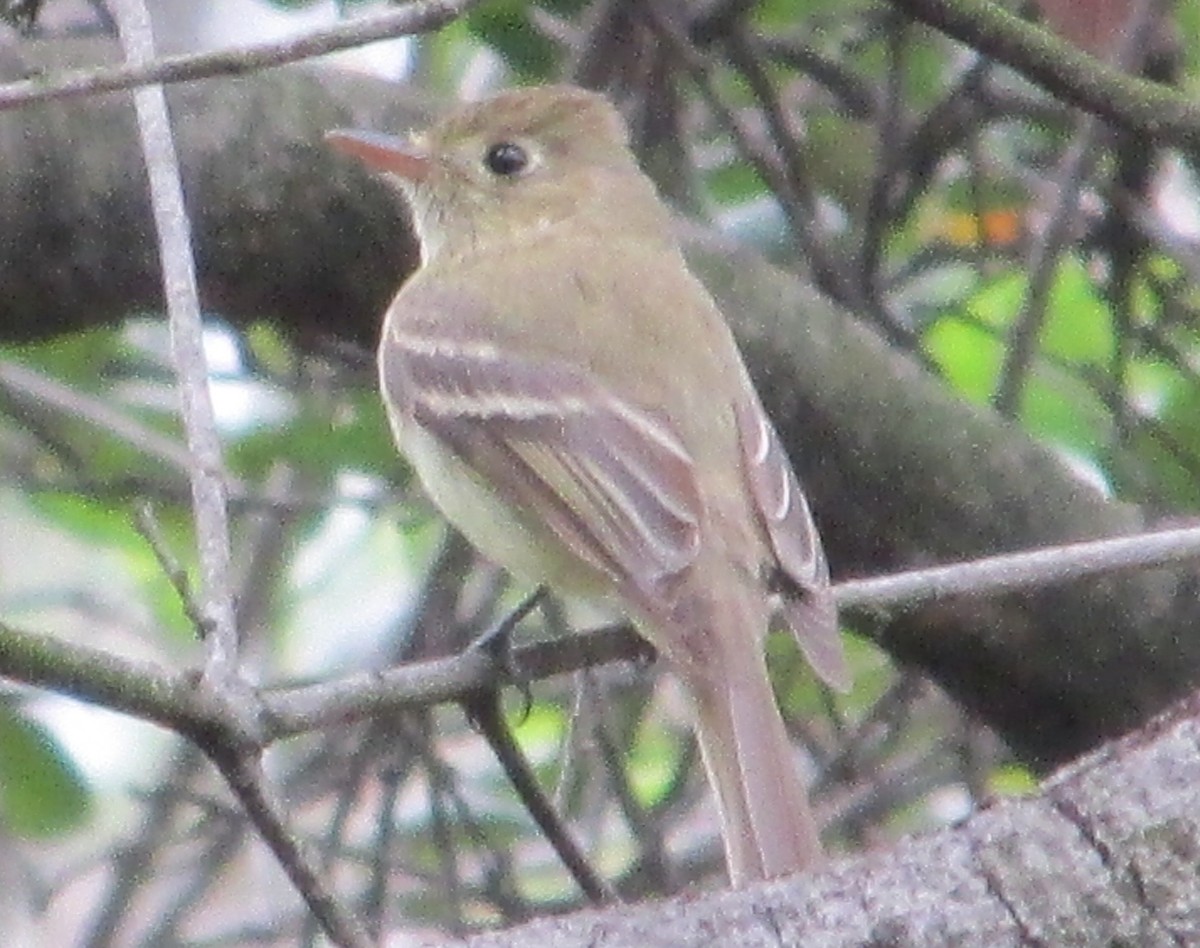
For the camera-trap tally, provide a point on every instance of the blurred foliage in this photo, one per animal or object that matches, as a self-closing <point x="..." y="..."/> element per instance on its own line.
<point x="941" y="212"/>
<point x="42" y="792"/>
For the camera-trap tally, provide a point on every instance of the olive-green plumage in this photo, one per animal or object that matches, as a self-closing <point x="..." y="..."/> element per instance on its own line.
<point x="573" y="401"/>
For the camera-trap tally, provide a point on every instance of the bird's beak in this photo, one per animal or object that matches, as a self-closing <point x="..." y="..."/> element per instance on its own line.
<point x="398" y="156"/>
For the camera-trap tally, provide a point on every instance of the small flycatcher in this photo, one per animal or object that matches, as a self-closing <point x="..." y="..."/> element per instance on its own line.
<point x="573" y="401"/>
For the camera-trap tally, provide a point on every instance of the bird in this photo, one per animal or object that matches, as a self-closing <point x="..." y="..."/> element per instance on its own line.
<point x="573" y="401"/>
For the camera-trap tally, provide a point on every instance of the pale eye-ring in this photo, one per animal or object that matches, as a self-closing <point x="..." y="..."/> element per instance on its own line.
<point x="506" y="159"/>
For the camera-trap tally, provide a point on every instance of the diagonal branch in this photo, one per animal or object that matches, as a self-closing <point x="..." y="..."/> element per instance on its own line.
<point x="420" y="16"/>
<point x="1063" y="70"/>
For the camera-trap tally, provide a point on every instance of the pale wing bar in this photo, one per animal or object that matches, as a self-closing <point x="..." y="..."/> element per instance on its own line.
<point x="610" y="480"/>
<point x="807" y="606"/>
<point x="779" y="498"/>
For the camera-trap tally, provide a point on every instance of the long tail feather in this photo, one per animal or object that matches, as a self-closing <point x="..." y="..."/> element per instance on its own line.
<point x="767" y="823"/>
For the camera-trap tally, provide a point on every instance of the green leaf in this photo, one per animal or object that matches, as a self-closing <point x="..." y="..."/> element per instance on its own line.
<point x="357" y="439"/>
<point x="774" y="15"/>
<point x="734" y="183"/>
<point x="269" y="349"/>
<point x="1012" y="780"/>
<point x="87" y="519"/>
<point x="42" y="793"/>
<point x="505" y="26"/>
<point x="1079" y="327"/>
<point x="653" y="763"/>
<point x="1062" y="408"/>
<point x="968" y="355"/>
<point x="924" y="59"/>
<point x="1057" y="403"/>
<point x="1186" y="18"/>
<point x="88" y="359"/>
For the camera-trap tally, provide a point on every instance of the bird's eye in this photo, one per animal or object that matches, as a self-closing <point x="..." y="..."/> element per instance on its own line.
<point x="506" y="158"/>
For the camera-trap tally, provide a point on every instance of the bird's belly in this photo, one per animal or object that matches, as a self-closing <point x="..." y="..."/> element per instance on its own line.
<point x="506" y="536"/>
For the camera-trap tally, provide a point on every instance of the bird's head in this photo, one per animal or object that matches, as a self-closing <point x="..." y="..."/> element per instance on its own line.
<point x="514" y="165"/>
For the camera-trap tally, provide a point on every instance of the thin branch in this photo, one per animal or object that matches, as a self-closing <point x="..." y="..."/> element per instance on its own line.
<point x="421" y="16"/>
<point x="855" y="97"/>
<point x="221" y="837"/>
<point x="209" y="502"/>
<point x="29" y="386"/>
<point x="483" y="708"/>
<point x="353" y="773"/>
<point x="645" y="825"/>
<point x="1042" y="266"/>
<point x="139" y="689"/>
<point x="133" y="861"/>
<point x="148" y="692"/>
<point x="1063" y="70"/>
<point x="889" y="146"/>
<point x="243" y="773"/>
<point x="1013" y="572"/>
<point x="719" y="18"/>
<point x="147" y="525"/>
<point x="1074" y="167"/>
<point x="441" y="789"/>
<point x="301" y="709"/>
<point x="800" y="195"/>
<point x="779" y="167"/>
<point x="34" y="393"/>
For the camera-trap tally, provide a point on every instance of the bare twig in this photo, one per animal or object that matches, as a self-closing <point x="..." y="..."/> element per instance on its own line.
<point x="187" y="348"/>
<point x="240" y="762"/>
<point x="148" y="692"/>
<point x="780" y="167"/>
<point x="418" y="684"/>
<point x="28" y="385"/>
<point x="36" y="395"/>
<point x="1022" y="343"/>
<point x="891" y="136"/>
<point x="1074" y="167"/>
<point x="1063" y="70"/>
<point x="483" y="708"/>
<point x="243" y="772"/>
<point x="646" y="826"/>
<point x="854" y="97"/>
<point x="787" y="142"/>
<point x="1013" y="572"/>
<point x="418" y="17"/>
<point x="133" y="861"/>
<point x="147" y="525"/>
<point x="441" y="791"/>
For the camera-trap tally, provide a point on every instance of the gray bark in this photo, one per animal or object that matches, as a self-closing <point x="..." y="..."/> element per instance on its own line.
<point x="1106" y="855"/>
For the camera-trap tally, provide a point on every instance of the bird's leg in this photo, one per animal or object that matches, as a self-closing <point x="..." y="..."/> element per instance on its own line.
<point x="497" y="640"/>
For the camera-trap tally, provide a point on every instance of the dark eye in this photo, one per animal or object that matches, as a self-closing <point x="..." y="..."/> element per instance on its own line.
<point x="506" y="158"/>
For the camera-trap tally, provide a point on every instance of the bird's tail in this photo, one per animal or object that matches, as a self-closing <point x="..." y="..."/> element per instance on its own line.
<point x="767" y="823"/>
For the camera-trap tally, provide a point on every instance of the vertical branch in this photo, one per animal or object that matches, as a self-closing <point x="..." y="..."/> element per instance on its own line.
<point x="187" y="348"/>
<point x="1022" y="343"/>
<point x="1074" y="167"/>
<point x="241" y="766"/>
<point x="889" y="147"/>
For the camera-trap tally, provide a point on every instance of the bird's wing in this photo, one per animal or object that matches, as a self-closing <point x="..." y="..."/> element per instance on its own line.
<point x="611" y="481"/>
<point x="808" y="605"/>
